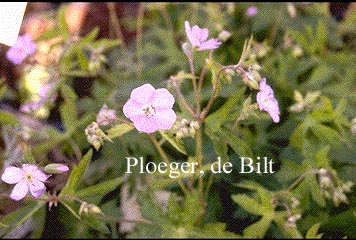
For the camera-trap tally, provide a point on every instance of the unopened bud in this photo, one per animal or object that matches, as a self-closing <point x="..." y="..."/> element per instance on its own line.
<point x="187" y="49"/>
<point x="347" y="186"/>
<point x="295" y="202"/>
<point x="297" y="51"/>
<point x="194" y="124"/>
<point x="89" y="208"/>
<point x="106" y="116"/>
<point x="56" y="168"/>
<point x="224" y="35"/>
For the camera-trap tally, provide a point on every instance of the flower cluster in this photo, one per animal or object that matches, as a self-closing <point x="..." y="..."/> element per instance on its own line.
<point x="186" y="128"/>
<point x="95" y="135"/>
<point x="45" y="93"/>
<point x="23" y="48"/>
<point x="331" y="189"/>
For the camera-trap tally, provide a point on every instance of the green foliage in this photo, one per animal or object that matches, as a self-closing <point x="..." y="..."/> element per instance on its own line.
<point x="307" y="58"/>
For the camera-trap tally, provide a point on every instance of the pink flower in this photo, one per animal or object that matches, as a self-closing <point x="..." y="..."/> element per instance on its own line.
<point x="251" y="11"/>
<point x="27" y="178"/>
<point x="106" y="116"/>
<point x="23" y="47"/>
<point x="44" y="92"/>
<point x="267" y="102"/>
<point x="150" y="109"/>
<point x="198" y="37"/>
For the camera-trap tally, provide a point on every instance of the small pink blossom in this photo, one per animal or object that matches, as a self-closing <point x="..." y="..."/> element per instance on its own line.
<point x="266" y="100"/>
<point x="45" y="94"/>
<point x="23" y="48"/>
<point x="28" y="178"/>
<point x="150" y="109"/>
<point x="251" y="11"/>
<point x="198" y="37"/>
<point x="106" y="116"/>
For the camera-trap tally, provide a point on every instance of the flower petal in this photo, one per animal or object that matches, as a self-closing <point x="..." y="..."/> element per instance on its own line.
<point x="209" y="45"/>
<point x="201" y="34"/>
<point x="37" y="188"/>
<point x="35" y="172"/>
<point x="132" y="108"/>
<point x="143" y="94"/>
<point x="165" y="119"/>
<point x="162" y="99"/>
<point x="191" y="36"/>
<point x="146" y="124"/>
<point x="12" y="175"/>
<point x="20" y="190"/>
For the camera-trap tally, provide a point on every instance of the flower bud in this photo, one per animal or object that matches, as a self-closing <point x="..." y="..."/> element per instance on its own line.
<point x="347" y="186"/>
<point x="95" y="135"/>
<point x="106" y="116"/>
<point x="224" y="35"/>
<point x="187" y="49"/>
<point x="89" y="208"/>
<point x="56" y="168"/>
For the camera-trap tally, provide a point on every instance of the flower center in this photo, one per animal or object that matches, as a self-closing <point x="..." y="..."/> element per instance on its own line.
<point x="148" y="110"/>
<point x="28" y="177"/>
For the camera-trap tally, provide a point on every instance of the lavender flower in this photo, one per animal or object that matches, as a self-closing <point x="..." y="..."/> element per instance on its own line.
<point x="106" y="116"/>
<point x="150" y="109"/>
<point x="267" y="102"/>
<point x="27" y="178"/>
<point x="198" y="37"/>
<point x="251" y="11"/>
<point x="23" y="47"/>
<point x="44" y="93"/>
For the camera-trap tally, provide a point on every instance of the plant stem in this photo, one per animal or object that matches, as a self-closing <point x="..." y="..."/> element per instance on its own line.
<point x="215" y="88"/>
<point x="140" y="14"/>
<point x="199" y="160"/>
<point x="166" y="160"/>
<point x="181" y="97"/>
<point x="200" y="82"/>
<point x="192" y="72"/>
<point x="301" y="178"/>
<point x="115" y="21"/>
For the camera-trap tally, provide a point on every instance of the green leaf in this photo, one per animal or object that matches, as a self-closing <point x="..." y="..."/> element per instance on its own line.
<point x="17" y="217"/>
<point x="258" y="229"/>
<point x="90" y="36"/>
<point x="216" y="119"/>
<point x="313" y="232"/>
<point x="237" y="144"/>
<point x="150" y="209"/>
<point x="175" y="143"/>
<point x="264" y="194"/>
<point x="90" y="219"/>
<point x="76" y="174"/>
<point x="100" y="188"/>
<point x="82" y="59"/>
<point x="214" y="230"/>
<point x="191" y="211"/>
<point x="8" y="118"/>
<point x="119" y="130"/>
<point x="68" y="93"/>
<point x="249" y="204"/>
<point x="314" y="190"/>
<point x="62" y="23"/>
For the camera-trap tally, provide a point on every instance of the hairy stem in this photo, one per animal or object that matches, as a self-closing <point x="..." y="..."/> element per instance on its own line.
<point x="166" y="160"/>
